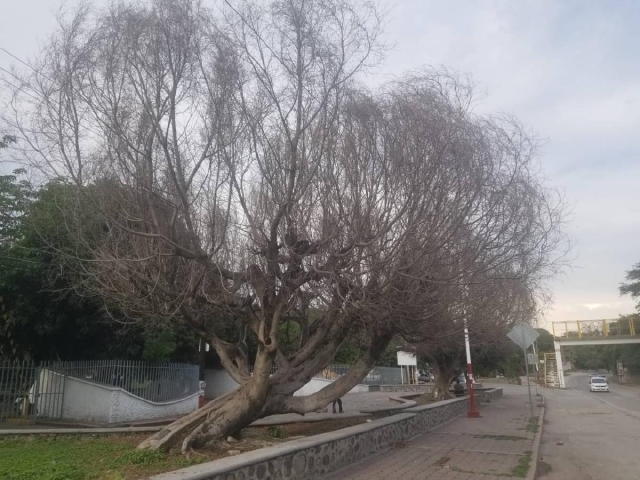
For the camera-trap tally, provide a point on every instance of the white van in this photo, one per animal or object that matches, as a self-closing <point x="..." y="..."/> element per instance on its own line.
<point x="598" y="384"/>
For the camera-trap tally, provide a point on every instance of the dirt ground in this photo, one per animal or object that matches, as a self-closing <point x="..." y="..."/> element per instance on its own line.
<point x="308" y="429"/>
<point x="424" y="399"/>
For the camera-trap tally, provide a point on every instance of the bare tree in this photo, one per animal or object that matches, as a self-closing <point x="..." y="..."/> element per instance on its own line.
<point x="241" y="174"/>
<point x="490" y="309"/>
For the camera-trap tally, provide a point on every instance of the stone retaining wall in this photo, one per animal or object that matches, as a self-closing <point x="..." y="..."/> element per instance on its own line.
<point x="419" y="388"/>
<point x="312" y="457"/>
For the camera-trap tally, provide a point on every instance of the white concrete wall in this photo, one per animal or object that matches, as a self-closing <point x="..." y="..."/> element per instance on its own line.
<point x="87" y="401"/>
<point x="317" y="384"/>
<point x="220" y="382"/>
<point x="129" y="408"/>
<point x="100" y="403"/>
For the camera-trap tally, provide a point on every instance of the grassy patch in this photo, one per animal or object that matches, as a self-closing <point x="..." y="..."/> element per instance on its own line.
<point x="114" y="457"/>
<point x="512" y="438"/>
<point x="532" y="426"/>
<point x="522" y="468"/>
<point x="275" y="431"/>
<point x="85" y="458"/>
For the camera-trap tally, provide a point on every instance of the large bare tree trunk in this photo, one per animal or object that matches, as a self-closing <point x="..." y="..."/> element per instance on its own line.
<point x="262" y="395"/>
<point x="228" y="173"/>
<point x="218" y="419"/>
<point x="443" y="375"/>
<point x="444" y="362"/>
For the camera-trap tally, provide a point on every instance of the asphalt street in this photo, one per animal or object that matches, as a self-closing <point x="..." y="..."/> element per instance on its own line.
<point x="591" y="436"/>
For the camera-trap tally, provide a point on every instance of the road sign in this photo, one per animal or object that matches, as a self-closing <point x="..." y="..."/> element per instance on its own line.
<point x="532" y="358"/>
<point x="407" y="358"/>
<point x="523" y="336"/>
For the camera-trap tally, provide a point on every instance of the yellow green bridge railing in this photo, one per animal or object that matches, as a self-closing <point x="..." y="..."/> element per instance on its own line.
<point x="593" y="329"/>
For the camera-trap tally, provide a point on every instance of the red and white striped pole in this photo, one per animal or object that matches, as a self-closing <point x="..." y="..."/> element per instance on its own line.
<point x="473" y="412"/>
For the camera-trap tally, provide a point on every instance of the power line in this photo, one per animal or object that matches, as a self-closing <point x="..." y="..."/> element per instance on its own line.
<point x="23" y="86"/>
<point x="18" y="59"/>
<point x="39" y="72"/>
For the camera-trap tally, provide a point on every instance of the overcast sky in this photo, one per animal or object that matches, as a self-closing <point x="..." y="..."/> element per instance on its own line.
<point x="570" y="70"/>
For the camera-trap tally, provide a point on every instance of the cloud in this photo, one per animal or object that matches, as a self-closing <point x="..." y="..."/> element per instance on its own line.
<point x="593" y="306"/>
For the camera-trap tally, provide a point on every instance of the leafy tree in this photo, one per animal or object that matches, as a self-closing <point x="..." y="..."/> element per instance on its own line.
<point x="6" y="140"/>
<point x="503" y="358"/>
<point x="632" y="286"/>
<point x="15" y="196"/>
<point x="544" y="342"/>
<point x="42" y="317"/>
<point x="159" y="345"/>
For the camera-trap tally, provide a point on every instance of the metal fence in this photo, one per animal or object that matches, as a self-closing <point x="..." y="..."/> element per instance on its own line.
<point x="377" y="375"/>
<point x="384" y="376"/>
<point x="16" y="382"/>
<point x="29" y="390"/>
<point x="154" y="382"/>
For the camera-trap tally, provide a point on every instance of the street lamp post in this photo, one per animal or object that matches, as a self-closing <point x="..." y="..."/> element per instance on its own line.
<point x="473" y="412"/>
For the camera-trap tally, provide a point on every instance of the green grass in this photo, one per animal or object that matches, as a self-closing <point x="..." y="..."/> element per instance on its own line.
<point x="532" y="426"/>
<point x="275" y="431"/>
<point x="102" y="458"/>
<point x="522" y="468"/>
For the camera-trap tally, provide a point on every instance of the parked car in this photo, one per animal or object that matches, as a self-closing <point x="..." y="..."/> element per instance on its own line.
<point x="425" y="377"/>
<point x="598" y="384"/>
<point x="463" y="380"/>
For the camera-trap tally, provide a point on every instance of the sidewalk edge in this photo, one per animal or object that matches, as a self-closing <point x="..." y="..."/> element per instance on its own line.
<point x="535" y="452"/>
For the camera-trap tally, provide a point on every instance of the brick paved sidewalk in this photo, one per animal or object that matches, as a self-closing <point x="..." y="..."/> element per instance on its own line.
<point x="496" y="445"/>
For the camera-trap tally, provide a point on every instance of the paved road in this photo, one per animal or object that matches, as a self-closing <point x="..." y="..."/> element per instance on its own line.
<point x="600" y="433"/>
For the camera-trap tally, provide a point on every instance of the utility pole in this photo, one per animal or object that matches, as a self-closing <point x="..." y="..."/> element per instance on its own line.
<point x="473" y="412"/>
<point x="526" y="363"/>
<point x="523" y="336"/>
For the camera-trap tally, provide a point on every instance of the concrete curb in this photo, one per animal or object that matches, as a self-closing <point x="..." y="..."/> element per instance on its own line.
<point x="535" y="452"/>
<point x="402" y="404"/>
<point x="263" y="422"/>
<point x="76" y="431"/>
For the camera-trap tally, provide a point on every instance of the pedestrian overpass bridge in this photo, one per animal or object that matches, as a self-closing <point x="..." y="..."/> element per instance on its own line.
<point x="617" y="331"/>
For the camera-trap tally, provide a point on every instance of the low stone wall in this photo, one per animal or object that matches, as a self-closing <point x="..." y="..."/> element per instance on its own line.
<point x="419" y="388"/>
<point x="490" y="394"/>
<point x="312" y="457"/>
